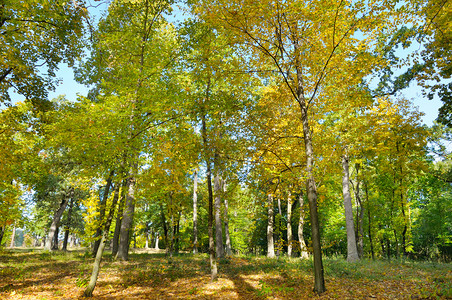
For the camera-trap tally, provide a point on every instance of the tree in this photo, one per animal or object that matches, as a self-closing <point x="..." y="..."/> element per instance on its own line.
<point x="140" y="63"/>
<point x="436" y="34"/>
<point x="36" y="37"/>
<point x="306" y="44"/>
<point x="352" y="252"/>
<point x="19" y="139"/>
<point x="96" y="266"/>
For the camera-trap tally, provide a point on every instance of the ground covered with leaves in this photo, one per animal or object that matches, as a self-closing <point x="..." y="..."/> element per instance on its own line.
<point x="35" y="274"/>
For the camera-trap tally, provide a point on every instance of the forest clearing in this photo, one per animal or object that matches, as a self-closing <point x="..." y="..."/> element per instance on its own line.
<point x="36" y="274"/>
<point x="269" y="148"/>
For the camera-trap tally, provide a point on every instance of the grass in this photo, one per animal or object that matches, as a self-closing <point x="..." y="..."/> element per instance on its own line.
<point x="63" y="275"/>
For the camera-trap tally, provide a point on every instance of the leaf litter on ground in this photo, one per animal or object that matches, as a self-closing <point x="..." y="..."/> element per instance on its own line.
<point x="151" y="275"/>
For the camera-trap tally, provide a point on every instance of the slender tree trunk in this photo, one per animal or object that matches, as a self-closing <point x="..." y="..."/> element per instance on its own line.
<point x="127" y="220"/>
<point x="218" y="229"/>
<point x="103" y="205"/>
<point x="405" y="226"/>
<point x="156" y="240"/>
<point x="177" y="233"/>
<point x="388" y="248"/>
<point x="212" y="253"/>
<point x="303" y="248"/>
<point x="278" y="237"/>
<point x="55" y="239"/>
<point x="360" y="240"/>
<point x="119" y="213"/>
<point x="72" y="242"/>
<point x="2" y="234"/>
<point x="68" y="225"/>
<point x="147" y="237"/>
<point x="289" y="225"/>
<point x="226" y="222"/>
<point x="165" y="227"/>
<point x="352" y="252"/>
<point x="171" y="228"/>
<point x="270" y="241"/>
<point x="369" y="223"/>
<point x="50" y="243"/>
<point x="13" y="236"/>
<point x="396" y="244"/>
<point x="359" y="230"/>
<point x="402" y="207"/>
<point x="195" y="213"/>
<point x="66" y="238"/>
<point x="100" y="250"/>
<point x="319" y="281"/>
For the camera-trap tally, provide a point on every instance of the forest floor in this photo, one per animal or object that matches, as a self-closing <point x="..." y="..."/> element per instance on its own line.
<point x="36" y="274"/>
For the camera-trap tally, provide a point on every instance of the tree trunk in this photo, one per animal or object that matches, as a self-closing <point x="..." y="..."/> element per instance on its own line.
<point x="103" y="205"/>
<point x="195" y="213"/>
<point x="72" y="242"/>
<point x="278" y="236"/>
<point x="66" y="238"/>
<point x="127" y="220"/>
<point x="177" y="233"/>
<point x="289" y="225"/>
<point x="13" y="236"/>
<point x="359" y="222"/>
<point x="156" y="240"/>
<point x="369" y="223"/>
<point x="119" y="213"/>
<point x="212" y="253"/>
<point x="388" y="248"/>
<point x="226" y="223"/>
<point x="352" y="252"/>
<point x="170" y="248"/>
<point x="165" y="228"/>
<point x="100" y="250"/>
<point x="270" y="241"/>
<point x="319" y="281"/>
<point x="396" y="244"/>
<point x="218" y="229"/>
<point x="405" y="219"/>
<point x="68" y="225"/>
<point x="55" y="239"/>
<point x="2" y="234"/>
<point x="303" y="248"/>
<point x="50" y="243"/>
<point x="147" y="237"/>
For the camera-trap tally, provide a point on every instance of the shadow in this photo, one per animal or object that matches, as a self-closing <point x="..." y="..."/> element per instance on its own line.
<point x="23" y="269"/>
